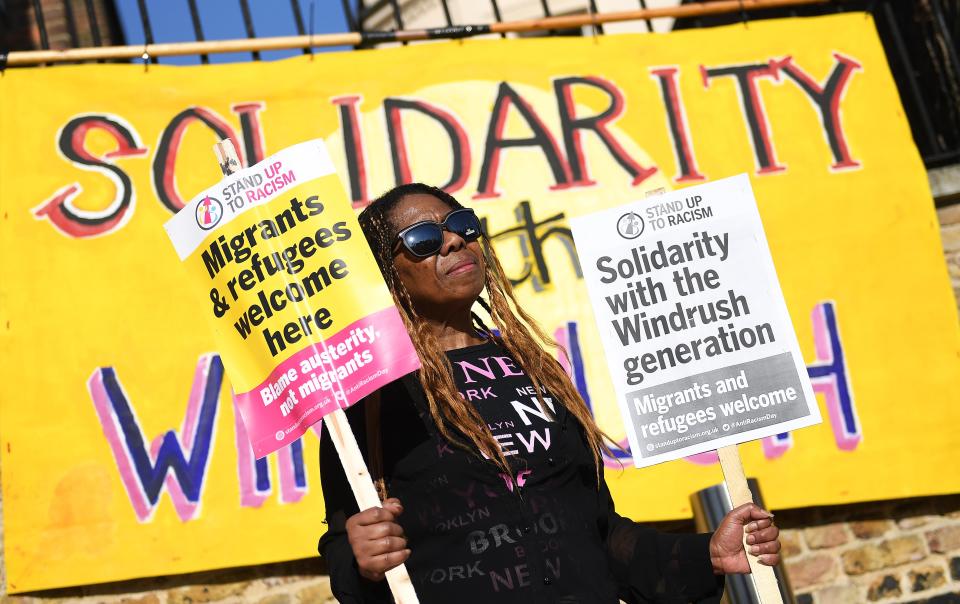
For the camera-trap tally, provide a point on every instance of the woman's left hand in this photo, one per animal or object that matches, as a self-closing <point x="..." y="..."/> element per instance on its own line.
<point x="726" y="546"/>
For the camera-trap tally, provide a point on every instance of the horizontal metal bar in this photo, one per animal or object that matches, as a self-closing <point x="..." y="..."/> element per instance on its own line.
<point x="716" y="7"/>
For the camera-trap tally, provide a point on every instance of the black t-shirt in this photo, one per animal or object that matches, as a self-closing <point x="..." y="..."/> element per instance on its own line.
<point x="546" y="532"/>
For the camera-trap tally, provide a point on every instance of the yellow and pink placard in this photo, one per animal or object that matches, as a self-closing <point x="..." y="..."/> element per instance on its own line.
<point x="300" y="313"/>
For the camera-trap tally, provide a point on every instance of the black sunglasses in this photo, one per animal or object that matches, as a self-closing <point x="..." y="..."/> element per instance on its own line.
<point x="425" y="238"/>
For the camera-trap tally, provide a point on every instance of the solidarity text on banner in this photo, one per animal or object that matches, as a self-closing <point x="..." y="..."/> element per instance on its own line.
<point x="119" y="429"/>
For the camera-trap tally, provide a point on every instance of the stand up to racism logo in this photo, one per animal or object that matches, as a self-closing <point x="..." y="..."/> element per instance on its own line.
<point x="630" y="225"/>
<point x="209" y="213"/>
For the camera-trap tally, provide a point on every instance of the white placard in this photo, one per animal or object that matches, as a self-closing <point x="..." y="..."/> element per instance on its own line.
<point x="696" y="332"/>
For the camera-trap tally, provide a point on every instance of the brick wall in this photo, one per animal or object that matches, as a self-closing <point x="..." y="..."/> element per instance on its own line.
<point x="891" y="552"/>
<point x="22" y="32"/>
<point x="950" y="233"/>
<point x="894" y="551"/>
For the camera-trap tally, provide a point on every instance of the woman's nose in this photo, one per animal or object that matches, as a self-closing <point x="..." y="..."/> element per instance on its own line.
<point x="451" y="243"/>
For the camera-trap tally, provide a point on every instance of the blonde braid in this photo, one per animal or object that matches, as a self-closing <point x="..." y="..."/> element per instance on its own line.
<point x="529" y="352"/>
<point x="458" y="421"/>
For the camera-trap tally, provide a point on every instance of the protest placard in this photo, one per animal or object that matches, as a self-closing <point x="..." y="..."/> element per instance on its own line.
<point x="366" y="345"/>
<point x="300" y="312"/>
<point x="695" y="329"/>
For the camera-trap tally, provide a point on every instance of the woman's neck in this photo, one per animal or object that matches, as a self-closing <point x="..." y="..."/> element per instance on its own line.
<point x="453" y="331"/>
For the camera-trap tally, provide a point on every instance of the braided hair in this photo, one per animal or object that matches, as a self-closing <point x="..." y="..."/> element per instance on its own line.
<point x="457" y="420"/>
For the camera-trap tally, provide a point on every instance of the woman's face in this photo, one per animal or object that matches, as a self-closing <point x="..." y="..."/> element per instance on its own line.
<point x="451" y="279"/>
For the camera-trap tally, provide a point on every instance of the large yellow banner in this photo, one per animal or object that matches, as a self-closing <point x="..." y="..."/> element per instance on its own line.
<point x="122" y="452"/>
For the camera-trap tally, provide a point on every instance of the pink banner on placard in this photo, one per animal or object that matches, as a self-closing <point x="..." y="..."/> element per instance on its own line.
<point x="324" y="377"/>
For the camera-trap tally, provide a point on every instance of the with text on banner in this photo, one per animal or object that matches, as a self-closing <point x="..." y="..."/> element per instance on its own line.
<point x="695" y="328"/>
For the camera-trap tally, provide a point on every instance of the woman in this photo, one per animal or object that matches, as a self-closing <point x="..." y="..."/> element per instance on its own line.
<point x="489" y="455"/>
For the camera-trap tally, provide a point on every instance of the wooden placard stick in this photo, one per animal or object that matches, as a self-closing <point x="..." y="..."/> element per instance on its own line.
<point x="362" y="484"/>
<point x="338" y="428"/>
<point x="764" y="581"/>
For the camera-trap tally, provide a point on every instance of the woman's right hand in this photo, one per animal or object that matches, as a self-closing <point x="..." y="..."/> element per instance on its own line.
<point x="377" y="541"/>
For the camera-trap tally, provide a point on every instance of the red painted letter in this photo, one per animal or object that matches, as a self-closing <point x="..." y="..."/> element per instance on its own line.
<point x="353" y="147"/>
<point x="59" y="209"/>
<point x="754" y="112"/>
<point x="459" y="144"/>
<point x="677" y="119"/>
<point x="572" y="126"/>
<point x="826" y="99"/>
<point x="164" y="163"/>
<point x="508" y="97"/>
